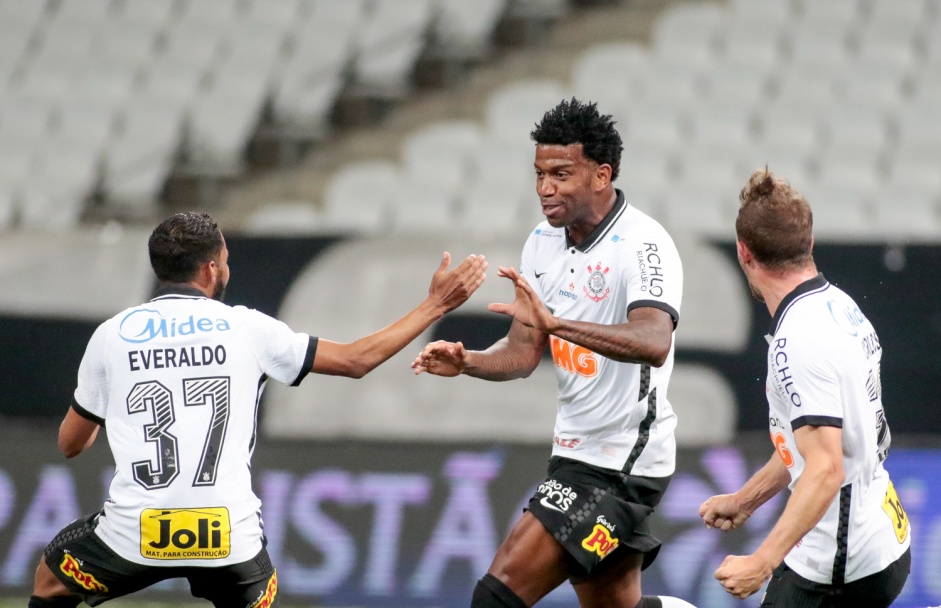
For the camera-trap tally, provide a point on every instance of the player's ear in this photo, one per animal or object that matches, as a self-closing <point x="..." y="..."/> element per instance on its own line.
<point x="602" y="177"/>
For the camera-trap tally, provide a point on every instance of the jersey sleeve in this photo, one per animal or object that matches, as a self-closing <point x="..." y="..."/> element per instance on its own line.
<point x="283" y="354"/>
<point x="654" y="273"/>
<point x="528" y="264"/>
<point x="92" y="392"/>
<point x="808" y="380"/>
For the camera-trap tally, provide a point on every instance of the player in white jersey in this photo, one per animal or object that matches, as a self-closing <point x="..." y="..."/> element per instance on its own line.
<point x="600" y="285"/>
<point x="843" y="538"/>
<point x="178" y="380"/>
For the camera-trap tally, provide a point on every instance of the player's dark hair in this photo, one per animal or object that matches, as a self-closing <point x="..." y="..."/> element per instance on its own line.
<point x="574" y="122"/>
<point x="775" y="222"/>
<point x="181" y="244"/>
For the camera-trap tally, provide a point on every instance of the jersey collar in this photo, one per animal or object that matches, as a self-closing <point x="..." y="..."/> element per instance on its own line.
<point x="601" y="229"/>
<point x="809" y="286"/>
<point x="171" y="290"/>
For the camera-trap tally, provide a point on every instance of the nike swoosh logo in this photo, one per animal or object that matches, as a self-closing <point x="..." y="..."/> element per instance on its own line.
<point x="539" y="274"/>
<point x="545" y="502"/>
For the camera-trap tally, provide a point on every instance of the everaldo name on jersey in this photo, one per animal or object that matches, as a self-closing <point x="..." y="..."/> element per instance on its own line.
<point x="178" y="380"/>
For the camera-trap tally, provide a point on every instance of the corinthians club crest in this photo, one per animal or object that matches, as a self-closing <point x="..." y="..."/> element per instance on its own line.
<point x="597" y="288"/>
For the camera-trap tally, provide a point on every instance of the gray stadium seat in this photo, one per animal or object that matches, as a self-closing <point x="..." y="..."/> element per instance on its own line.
<point x="464" y="29"/>
<point x="356" y="199"/>
<point x="512" y="110"/>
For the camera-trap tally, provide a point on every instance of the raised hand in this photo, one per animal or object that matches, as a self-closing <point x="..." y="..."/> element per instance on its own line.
<point x="451" y="288"/>
<point x="724" y="512"/>
<point x="441" y="359"/>
<point x="527" y="308"/>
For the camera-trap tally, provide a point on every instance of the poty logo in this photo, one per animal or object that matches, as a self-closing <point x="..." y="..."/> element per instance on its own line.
<point x="72" y="569"/>
<point x="600" y="541"/>
<point x="145" y="324"/>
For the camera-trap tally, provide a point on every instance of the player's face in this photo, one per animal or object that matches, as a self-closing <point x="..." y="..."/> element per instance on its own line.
<point x="564" y="179"/>
<point x="222" y="276"/>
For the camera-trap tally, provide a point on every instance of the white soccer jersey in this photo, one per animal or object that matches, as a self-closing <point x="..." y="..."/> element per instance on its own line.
<point x="823" y="370"/>
<point x="177" y="383"/>
<point x="610" y="414"/>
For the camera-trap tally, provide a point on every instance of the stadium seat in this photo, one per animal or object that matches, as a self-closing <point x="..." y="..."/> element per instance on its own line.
<point x="141" y="156"/>
<point x="652" y="127"/>
<point x="512" y="110"/>
<point x="819" y="44"/>
<point x="388" y="45"/>
<point x="695" y="209"/>
<point x="285" y="218"/>
<point x="838" y="13"/>
<point x="840" y="213"/>
<point x="769" y="11"/>
<point x="607" y="74"/>
<point x="357" y="197"/>
<point x="147" y="13"/>
<point x="86" y="12"/>
<point x="739" y="86"/>
<point x="898" y="15"/>
<point x="907" y="213"/>
<point x="464" y="29"/>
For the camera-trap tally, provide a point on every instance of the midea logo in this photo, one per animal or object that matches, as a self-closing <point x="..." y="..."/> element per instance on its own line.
<point x="145" y="324"/>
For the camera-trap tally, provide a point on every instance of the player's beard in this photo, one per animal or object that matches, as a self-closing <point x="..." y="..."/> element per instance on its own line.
<point x="755" y="292"/>
<point x="218" y="290"/>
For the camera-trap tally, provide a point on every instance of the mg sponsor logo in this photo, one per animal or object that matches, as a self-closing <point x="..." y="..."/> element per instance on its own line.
<point x="144" y="324"/>
<point x="573" y="358"/>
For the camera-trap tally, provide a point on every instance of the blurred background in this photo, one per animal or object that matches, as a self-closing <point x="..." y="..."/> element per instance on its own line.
<point x="343" y="144"/>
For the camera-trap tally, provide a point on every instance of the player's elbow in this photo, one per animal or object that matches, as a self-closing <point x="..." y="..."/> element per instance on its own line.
<point x="70" y="449"/>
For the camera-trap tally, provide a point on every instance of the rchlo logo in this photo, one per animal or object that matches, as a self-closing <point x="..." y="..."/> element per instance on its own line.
<point x="145" y="324"/>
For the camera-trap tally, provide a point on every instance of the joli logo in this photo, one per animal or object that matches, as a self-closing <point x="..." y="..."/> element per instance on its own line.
<point x="185" y="533"/>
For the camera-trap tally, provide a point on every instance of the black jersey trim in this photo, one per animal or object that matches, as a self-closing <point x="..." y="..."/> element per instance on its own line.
<point x="842" y="536"/>
<point x="86" y="414"/>
<point x="816" y="421"/>
<point x="169" y="290"/>
<point x="658" y="305"/>
<point x="818" y="283"/>
<point x="620" y="204"/>
<point x="643" y="431"/>
<point x="308" y="360"/>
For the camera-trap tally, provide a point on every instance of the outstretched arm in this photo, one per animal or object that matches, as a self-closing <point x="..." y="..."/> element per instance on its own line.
<point x="449" y="289"/>
<point x="646" y="337"/>
<point x="815" y="490"/>
<point x="515" y="356"/>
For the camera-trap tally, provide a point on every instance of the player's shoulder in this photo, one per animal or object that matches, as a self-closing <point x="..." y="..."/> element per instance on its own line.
<point x="818" y="318"/>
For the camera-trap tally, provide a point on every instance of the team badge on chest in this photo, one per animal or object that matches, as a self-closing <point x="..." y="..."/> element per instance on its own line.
<point x="597" y="288"/>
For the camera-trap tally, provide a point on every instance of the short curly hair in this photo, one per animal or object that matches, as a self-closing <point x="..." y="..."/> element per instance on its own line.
<point x="576" y="122"/>
<point x="181" y="244"/>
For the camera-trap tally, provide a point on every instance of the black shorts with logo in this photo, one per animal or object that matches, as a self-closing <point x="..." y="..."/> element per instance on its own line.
<point x="879" y="590"/>
<point x="89" y="568"/>
<point x="596" y="513"/>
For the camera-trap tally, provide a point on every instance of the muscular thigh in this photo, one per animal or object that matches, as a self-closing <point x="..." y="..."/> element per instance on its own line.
<point x="90" y="569"/>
